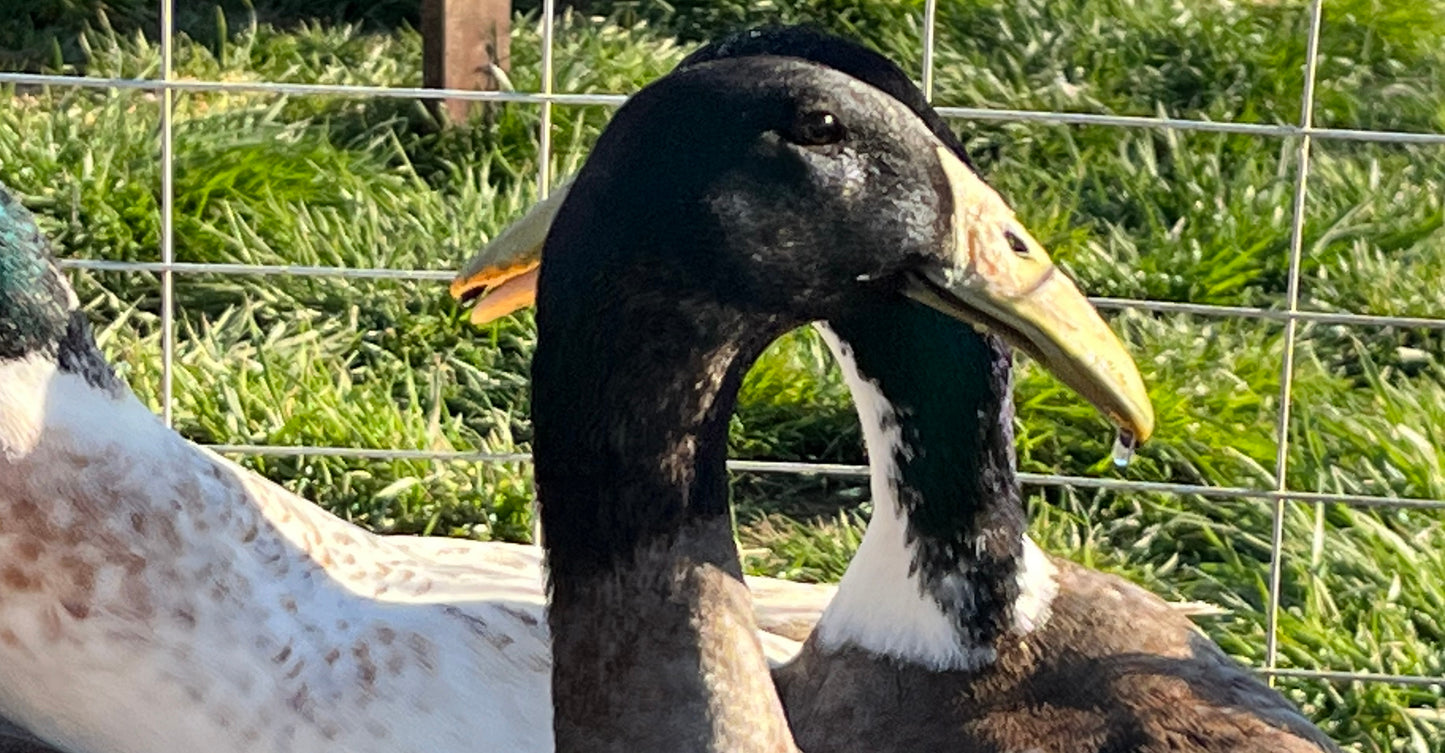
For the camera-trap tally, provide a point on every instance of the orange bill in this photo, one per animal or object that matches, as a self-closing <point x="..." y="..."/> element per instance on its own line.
<point x="502" y="277"/>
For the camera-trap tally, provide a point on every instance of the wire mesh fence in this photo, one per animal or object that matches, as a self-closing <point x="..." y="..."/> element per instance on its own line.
<point x="1301" y="136"/>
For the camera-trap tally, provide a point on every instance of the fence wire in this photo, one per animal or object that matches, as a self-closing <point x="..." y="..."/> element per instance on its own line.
<point x="166" y="86"/>
<point x="1291" y="329"/>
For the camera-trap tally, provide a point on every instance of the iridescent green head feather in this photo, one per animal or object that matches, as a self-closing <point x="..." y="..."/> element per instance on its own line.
<point x="39" y="315"/>
<point x="35" y="302"/>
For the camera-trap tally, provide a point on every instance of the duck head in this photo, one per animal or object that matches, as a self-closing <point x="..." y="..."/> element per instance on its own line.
<point x="981" y="265"/>
<point x="39" y="313"/>
<point x="771" y="184"/>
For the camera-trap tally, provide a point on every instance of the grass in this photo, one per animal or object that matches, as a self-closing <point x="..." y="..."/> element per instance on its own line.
<point x="1194" y="217"/>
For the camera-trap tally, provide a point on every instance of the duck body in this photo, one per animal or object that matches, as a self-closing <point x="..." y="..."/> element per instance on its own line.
<point x="952" y="631"/>
<point x="1114" y="670"/>
<point x="157" y="598"/>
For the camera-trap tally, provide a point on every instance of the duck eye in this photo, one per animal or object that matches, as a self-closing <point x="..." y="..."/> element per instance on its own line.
<point x="817" y="128"/>
<point x="1015" y="243"/>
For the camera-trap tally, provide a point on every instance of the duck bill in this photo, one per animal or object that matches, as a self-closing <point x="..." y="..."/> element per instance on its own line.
<point x="997" y="277"/>
<point x="502" y="277"/>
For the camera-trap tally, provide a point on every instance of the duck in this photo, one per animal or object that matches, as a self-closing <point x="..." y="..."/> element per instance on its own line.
<point x="726" y="204"/>
<point x="951" y="629"/>
<point x="139" y="571"/>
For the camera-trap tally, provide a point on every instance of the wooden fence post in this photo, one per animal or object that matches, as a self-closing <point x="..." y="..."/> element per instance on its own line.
<point x="462" y="40"/>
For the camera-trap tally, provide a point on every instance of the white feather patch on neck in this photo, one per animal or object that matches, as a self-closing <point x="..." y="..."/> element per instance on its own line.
<point x="1038" y="585"/>
<point x="880" y="606"/>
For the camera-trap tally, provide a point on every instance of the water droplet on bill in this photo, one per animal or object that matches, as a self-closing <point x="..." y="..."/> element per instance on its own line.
<point x="1124" y="444"/>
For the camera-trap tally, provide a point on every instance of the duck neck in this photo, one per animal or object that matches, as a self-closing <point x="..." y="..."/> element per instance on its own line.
<point x="653" y="635"/>
<point x="946" y="546"/>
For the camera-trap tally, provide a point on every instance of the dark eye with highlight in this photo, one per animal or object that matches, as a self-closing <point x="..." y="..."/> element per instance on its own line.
<point x="817" y="128"/>
<point x="1015" y="243"/>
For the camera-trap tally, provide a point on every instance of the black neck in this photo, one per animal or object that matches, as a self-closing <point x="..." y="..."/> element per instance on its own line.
<point x="652" y="629"/>
<point x="949" y="389"/>
<point x="631" y="431"/>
